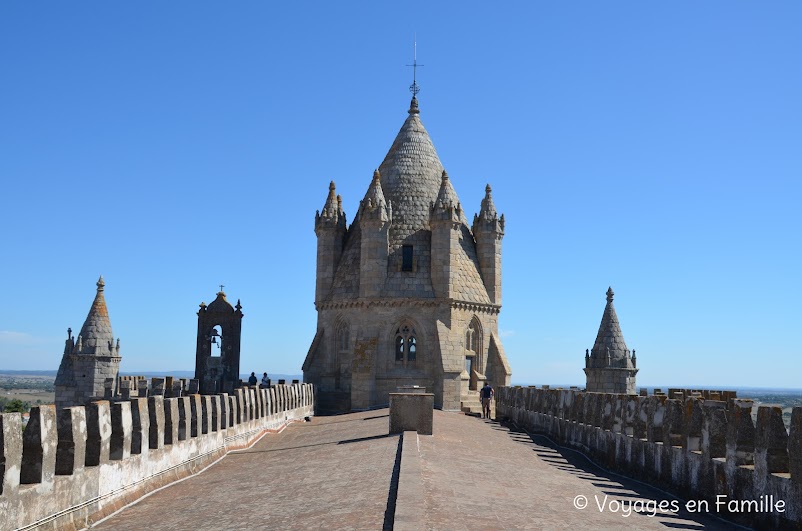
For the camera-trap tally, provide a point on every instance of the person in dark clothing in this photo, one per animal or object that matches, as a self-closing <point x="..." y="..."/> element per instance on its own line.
<point x="252" y="380"/>
<point x="487" y="395"/>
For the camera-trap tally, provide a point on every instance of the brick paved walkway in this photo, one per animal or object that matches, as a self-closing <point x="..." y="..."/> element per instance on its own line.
<point x="331" y="473"/>
<point x="480" y="475"/>
<point x="337" y="473"/>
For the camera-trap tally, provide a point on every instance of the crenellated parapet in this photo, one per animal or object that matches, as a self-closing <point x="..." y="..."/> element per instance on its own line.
<point x="695" y="447"/>
<point x="74" y="466"/>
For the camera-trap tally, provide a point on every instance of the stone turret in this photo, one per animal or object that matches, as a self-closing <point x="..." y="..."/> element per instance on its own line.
<point x="330" y="228"/>
<point x="375" y="217"/>
<point x="488" y="229"/>
<point x="408" y="304"/>
<point x="446" y="223"/>
<point x="90" y="359"/>
<point x="608" y="366"/>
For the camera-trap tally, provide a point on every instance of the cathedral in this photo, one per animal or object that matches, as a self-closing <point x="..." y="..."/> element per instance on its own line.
<point x="409" y="294"/>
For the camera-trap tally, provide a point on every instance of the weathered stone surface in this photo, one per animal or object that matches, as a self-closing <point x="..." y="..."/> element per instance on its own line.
<point x="98" y="429"/>
<point x="140" y="426"/>
<point x="195" y="409"/>
<point x="771" y="441"/>
<point x="71" y="448"/>
<point x="411" y="412"/>
<point x="111" y="476"/>
<point x="121" y="431"/>
<point x="741" y="433"/>
<point x="39" y="446"/>
<point x="795" y="445"/>
<point x="184" y="413"/>
<point x="10" y="453"/>
<point x="156" y="422"/>
<point x="170" y="420"/>
<point x="714" y="429"/>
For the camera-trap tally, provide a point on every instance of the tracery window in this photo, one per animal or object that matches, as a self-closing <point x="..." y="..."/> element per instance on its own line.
<point x="474" y="357"/>
<point x="473" y="346"/>
<point x="406" y="345"/>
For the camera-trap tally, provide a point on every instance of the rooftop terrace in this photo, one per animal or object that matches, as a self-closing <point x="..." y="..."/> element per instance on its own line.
<point x="346" y="472"/>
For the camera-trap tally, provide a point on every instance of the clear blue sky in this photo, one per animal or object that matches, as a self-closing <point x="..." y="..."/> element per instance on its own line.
<point x="174" y="146"/>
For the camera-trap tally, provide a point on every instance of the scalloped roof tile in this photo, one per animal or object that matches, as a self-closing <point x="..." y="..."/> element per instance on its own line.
<point x="411" y="178"/>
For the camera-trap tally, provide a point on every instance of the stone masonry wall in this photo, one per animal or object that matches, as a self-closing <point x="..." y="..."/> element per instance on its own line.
<point x="72" y="467"/>
<point x="695" y="448"/>
<point x="368" y="370"/>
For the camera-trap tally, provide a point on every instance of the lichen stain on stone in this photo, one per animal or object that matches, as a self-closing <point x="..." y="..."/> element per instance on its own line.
<point x="363" y="354"/>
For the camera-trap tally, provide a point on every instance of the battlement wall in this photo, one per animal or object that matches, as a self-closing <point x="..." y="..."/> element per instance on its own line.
<point x="74" y="466"/>
<point x="695" y="448"/>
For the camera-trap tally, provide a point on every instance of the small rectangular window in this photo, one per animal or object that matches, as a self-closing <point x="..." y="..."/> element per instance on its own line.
<point x="406" y="258"/>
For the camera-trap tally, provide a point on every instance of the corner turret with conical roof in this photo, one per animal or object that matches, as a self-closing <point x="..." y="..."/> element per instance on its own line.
<point x="488" y="229"/>
<point x="609" y="367"/>
<point x="446" y="221"/>
<point x="330" y="228"/>
<point x="395" y="305"/>
<point x="375" y="218"/>
<point x="89" y="360"/>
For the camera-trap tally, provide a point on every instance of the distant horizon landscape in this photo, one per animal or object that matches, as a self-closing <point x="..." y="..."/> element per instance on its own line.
<point x="150" y="374"/>
<point x="36" y="387"/>
<point x="299" y="376"/>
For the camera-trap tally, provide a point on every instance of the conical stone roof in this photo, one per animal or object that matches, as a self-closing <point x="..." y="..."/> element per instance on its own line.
<point x="447" y="197"/>
<point x="374" y="206"/>
<point x="96" y="336"/>
<point x="410" y="177"/>
<point x="610" y="337"/>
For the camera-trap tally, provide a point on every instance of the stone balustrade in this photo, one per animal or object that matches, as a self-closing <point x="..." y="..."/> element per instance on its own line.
<point x="696" y="448"/>
<point x="72" y="467"/>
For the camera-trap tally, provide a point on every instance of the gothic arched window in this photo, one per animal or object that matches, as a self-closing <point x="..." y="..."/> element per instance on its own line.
<point x="474" y="357"/>
<point x="405" y="345"/>
<point x="412" y="348"/>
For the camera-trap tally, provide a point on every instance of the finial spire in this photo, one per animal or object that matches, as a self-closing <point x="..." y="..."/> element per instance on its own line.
<point x="610" y="294"/>
<point x="414" y="88"/>
<point x="100" y="283"/>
